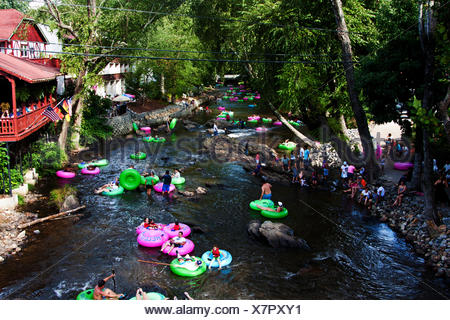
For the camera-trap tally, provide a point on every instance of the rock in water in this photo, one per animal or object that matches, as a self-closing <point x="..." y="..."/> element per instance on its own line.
<point x="278" y="235"/>
<point x="201" y="190"/>
<point x="71" y="202"/>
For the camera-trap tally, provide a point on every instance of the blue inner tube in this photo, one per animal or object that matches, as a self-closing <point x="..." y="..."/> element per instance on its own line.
<point x="225" y="258"/>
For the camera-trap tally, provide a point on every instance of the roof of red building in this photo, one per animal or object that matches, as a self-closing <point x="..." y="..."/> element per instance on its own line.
<point x="9" y="20"/>
<point x="26" y="70"/>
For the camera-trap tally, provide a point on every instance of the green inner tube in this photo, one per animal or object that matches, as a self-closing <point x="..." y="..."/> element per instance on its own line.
<point x="240" y="100"/>
<point x="252" y="121"/>
<point x="179" y="180"/>
<point x="267" y="120"/>
<point x="183" y="272"/>
<point x="147" y="139"/>
<point x="99" y="163"/>
<point x="287" y="146"/>
<point x="113" y="192"/>
<point x="264" y="203"/>
<point x="135" y="127"/>
<point x="275" y="215"/>
<point x="294" y="123"/>
<point x="160" y="139"/>
<point x="173" y="123"/>
<point x="153" y="296"/>
<point x="138" y="156"/>
<point x="152" y="180"/>
<point x="143" y="181"/>
<point x="130" y="179"/>
<point x="86" y="295"/>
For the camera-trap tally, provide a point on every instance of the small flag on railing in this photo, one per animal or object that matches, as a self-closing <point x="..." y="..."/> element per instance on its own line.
<point x="51" y="114"/>
<point x="67" y="107"/>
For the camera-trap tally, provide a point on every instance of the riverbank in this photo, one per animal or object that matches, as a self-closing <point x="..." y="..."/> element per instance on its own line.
<point x="12" y="238"/>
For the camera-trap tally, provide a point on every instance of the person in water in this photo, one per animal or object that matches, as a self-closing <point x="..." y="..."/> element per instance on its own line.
<point x="102" y="293"/>
<point x="176" y="174"/>
<point x="279" y="207"/>
<point x="266" y="191"/>
<point x="175" y="242"/>
<point x="167" y="180"/>
<point x="113" y="185"/>
<point x="215" y="256"/>
<point x="176" y="226"/>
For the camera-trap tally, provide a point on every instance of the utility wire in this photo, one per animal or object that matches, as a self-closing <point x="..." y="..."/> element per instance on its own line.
<point x="179" y="59"/>
<point x="183" y="51"/>
<point x="195" y="16"/>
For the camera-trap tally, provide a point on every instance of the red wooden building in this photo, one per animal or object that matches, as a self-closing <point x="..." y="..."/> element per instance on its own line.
<point x="27" y="76"/>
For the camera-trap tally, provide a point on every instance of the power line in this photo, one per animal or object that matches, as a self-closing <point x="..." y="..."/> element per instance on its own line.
<point x="178" y="59"/>
<point x="197" y="17"/>
<point x="183" y="51"/>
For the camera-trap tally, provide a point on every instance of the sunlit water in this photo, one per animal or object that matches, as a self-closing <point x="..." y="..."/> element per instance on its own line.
<point x="353" y="256"/>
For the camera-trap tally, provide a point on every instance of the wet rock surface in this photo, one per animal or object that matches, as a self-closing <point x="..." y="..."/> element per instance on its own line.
<point x="277" y="235"/>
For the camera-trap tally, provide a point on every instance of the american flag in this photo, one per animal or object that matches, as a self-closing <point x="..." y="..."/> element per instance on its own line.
<point x="51" y="114"/>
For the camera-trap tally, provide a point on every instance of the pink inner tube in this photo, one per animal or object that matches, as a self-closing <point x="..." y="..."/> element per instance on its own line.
<point x="403" y="165"/>
<point x="173" y="233"/>
<point x="152" y="238"/>
<point x="65" y="174"/>
<point x="146" y="129"/>
<point x="93" y="172"/>
<point x="257" y="97"/>
<point x="158" y="187"/>
<point x="261" y="129"/>
<point x="221" y="108"/>
<point x="188" y="247"/>
<point x="139" y="229"/>
<point x="254" y="118"/>
<point x="277" y="123"/>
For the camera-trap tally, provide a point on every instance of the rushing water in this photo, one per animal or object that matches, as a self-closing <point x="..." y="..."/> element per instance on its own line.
<point x="353" y="255"/>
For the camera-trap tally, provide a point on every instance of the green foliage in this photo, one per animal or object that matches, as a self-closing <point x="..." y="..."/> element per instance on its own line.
<point x="21" y="200"/>
<point x="57" y="196"/>
<point x="425" y="118"/>
<point x="14" y="4"/>
<point x="47" y="157"/>
<point x="94" y="125"/>
<point x="16" y="177"/>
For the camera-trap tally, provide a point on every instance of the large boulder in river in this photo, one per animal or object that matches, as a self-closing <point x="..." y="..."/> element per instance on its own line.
<point x="277" y="235"/>
<point x="71" y="202"/>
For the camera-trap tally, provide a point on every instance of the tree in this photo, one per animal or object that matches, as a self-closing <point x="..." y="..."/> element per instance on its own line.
<point x="14" y="4"/>
<point x="358" y="111"/>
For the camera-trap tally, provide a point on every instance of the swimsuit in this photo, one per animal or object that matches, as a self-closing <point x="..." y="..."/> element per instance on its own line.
<point x="267" y="196"/>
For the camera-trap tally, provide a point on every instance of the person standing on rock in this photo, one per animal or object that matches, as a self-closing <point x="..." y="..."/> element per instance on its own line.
<point x="167" y="180"/>
<point x="266" y="191"/>
<point x="306" y="157"/>
<point x="344" y="171"/>
<point x="350" y="171"/>
<point x="215" y="129"/>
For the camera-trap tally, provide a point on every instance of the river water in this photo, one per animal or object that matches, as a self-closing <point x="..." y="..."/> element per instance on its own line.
<point x="353" y="256"/>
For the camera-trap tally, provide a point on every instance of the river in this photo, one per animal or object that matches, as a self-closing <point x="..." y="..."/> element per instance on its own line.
<point x="353" y="255"/>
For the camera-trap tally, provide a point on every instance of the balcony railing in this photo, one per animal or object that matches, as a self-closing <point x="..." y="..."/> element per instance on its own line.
<point x="18" y="127"/>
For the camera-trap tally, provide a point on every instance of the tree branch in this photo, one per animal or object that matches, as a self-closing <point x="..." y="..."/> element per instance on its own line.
<point x="54" y="12"/>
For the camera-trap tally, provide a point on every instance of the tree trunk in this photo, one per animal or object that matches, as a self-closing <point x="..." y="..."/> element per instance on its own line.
<point x="163" y="89"/>
<point x="78" y="102"/>
<point x="62" y="140"/>
<point x="443" y="108"/>
<point x="426" y="32"/>
<point x="360" y="115"/>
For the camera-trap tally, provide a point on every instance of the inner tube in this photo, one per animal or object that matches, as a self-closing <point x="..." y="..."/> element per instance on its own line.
<point x="99" y="163"/>
<point x="403" y="166"/>
<point x="188" y="247"/>
<point x="225" y="259"/>
<point x="179" y="180"/>
<point x="263" y="203"/>
<point x="260" y="129"/>
<point x="135" y="127"/>
<point x="143" y="180"/>
<point x="146" y="129"/>
<point x="158" y="187"/>
<point x="287" y="146"/>
<point x="152" y="180"/>
<point x="173" y="233"/>
<point x="130" y="179"/>
<point x="160" y="139"/>
<point x="173" y="123"/>
<point x="65" y="174"/>
<point x="152" y="238"/>
<point x="188" y="268"/>
<point x="147" y="139"/>
<point x="296" y="124"/>
<point x="113" y="192"/>
<point x="153" y="296"/>
<point x="254" y="118"/>
<point x="221" y="108"/>
<point x="138" y="156"/>
<point x="141" y="228"/>
<point x="275" y="215"/>
<point x="252" y="121"/>
<point x="95" y="171"/>
<point x="277" y="123"/>
<point x="267" y="120"/>
<point x="86" y="295"/>
<point x="252" y="105"/>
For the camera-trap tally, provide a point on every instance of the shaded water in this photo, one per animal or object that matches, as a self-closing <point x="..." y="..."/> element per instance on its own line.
<point x="353" y="255"/>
